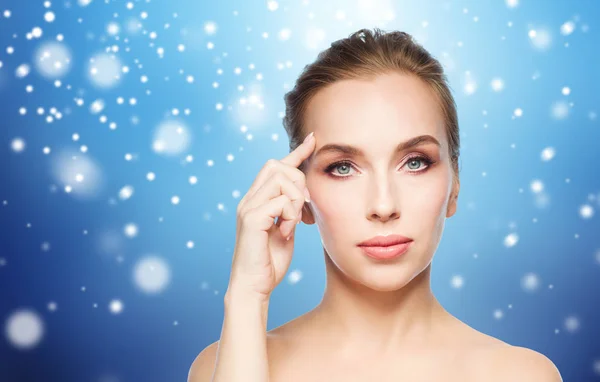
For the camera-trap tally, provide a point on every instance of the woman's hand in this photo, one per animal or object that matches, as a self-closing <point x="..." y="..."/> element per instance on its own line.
<point x="263" y="252"/>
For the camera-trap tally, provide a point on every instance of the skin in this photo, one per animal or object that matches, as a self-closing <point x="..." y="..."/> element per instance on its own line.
<point x="378" y="320"/>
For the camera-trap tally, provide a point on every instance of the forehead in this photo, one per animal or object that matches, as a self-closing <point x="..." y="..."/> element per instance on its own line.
<point x="385" y="110"/>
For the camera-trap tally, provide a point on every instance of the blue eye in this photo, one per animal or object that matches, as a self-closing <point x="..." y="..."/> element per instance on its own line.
<point x="346" y="165"/>
<point x="422" y="159"/>
<point x="342" y="164"/>
<point x="413" y="160"/>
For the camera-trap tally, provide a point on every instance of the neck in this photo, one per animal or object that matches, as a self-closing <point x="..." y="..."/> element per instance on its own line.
<point x="381" y="321"/>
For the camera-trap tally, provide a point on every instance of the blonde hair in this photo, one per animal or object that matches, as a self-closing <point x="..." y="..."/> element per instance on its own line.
<point x="364" y="55"/>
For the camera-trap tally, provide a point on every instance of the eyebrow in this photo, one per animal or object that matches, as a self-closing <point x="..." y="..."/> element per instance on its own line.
<point x="351" y="150"/>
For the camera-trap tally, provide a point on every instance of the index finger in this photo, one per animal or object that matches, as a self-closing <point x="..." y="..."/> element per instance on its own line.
<point x="296" y="157"/>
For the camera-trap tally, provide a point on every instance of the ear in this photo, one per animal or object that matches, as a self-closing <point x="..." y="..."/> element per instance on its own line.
<point x="307" y="215"/>
<point x="453" y="201"/>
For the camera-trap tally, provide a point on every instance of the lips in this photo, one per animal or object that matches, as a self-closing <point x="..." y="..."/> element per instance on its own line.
<point x="385" y="241"/>
<point x="386" y="253"/>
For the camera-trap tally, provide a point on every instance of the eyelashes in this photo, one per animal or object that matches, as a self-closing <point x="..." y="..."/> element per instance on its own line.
<point x="419" y="158"/>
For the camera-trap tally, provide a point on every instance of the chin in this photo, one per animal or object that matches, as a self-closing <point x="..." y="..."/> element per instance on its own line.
<point x="392" y="276"/>
<point x="378" y="277"/>
<point x="387" y="280"/>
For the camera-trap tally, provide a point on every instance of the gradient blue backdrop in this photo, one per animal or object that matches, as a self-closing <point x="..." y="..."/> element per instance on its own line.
<point x="64" y="256"/>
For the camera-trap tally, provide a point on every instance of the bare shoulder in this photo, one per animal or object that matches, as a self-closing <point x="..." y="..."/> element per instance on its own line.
<point x="492" y="359"/>
<point x="522" y="364"/>
<point x="203" y="367"/>
<point x="515" y="363"/>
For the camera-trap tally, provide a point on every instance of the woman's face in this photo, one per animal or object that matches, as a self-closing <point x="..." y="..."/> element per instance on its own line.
<point x="381" y="191"/>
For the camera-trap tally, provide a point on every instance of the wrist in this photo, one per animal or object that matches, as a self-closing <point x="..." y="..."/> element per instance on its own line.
<point x="242" y="303"/>
<point x="238" y="294"/>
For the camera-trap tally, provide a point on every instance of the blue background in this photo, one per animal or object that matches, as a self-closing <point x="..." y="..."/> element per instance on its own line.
<point x="71" y="250"/>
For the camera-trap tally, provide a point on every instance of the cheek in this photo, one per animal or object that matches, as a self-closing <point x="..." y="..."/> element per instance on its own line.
<point x="429" y="197"/>
<point x="335" y="203"/>
<point x="334" y="208"/>
<point x="429" y="208"/>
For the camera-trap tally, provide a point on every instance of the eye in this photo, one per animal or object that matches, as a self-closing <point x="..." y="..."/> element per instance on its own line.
<point x="344" y="167"/>
<point x="416" y="159"/>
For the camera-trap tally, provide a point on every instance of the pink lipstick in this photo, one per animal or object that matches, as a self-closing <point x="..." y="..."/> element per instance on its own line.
<point x="385" y="247"/>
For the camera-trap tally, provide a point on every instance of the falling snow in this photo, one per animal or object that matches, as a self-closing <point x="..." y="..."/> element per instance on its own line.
<point x="130" y="128"/>
<point x="25" y="329"/>
<point x="151" y="274"/>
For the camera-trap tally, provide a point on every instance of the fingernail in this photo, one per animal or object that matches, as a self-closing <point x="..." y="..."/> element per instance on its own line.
<point x="309" y="137"/>
<point x="306" y="195"/>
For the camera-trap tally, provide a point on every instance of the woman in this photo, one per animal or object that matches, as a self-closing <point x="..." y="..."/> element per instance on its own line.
<point x="379" y="176"/>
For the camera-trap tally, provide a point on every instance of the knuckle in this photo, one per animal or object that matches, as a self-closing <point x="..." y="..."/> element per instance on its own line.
<point x="301" y="184"/>
<point x="299" y="177"/>
<point x="242" y="204"/>
<point x="279" y="177"/>
<point x="299" y="174"/>
<point x="271" y="163"/>
<point x="246" y="216"/>
<point x="240" y="217"/>
<point x="285" y="201"/>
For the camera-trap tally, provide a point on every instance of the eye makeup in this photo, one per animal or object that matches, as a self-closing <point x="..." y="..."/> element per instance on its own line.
<point x="414" y="158"/>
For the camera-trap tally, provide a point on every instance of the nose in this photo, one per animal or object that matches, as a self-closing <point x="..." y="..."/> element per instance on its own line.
<point x="384" y="204"/>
